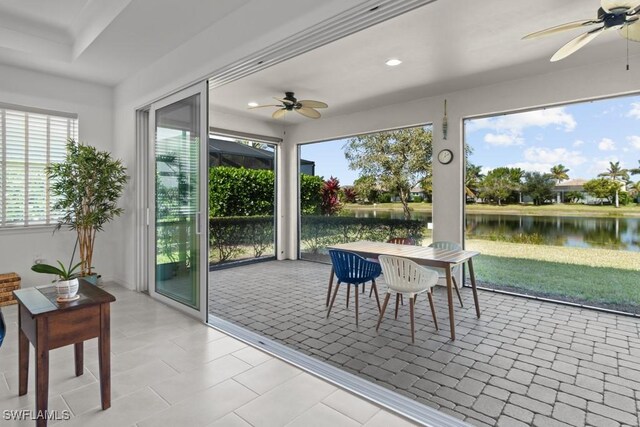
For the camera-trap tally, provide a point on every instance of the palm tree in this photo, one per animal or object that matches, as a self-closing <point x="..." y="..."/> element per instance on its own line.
<point x="614" y="172"/>
<point x="559" y="173"/>
<point x="635" y="171"/>
<point x="473" y="177"/>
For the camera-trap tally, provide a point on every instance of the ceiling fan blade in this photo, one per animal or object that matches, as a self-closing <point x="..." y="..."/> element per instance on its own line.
<point x="262" y="106"/>
<point x="560" y="28"/>
<point x="308" y="112"/>
<point x="313" y="104"/>
<point x="576" y="44"/>
<point x="284" y="101"/>
<point x="634" y="10"/>
<point x="279" y="114"/>
<point x="631" y="31"/>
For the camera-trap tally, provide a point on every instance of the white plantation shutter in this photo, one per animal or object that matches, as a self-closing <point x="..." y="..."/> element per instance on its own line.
<point x="30" y="139"/>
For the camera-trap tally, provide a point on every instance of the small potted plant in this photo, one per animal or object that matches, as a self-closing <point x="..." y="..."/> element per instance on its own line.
<point x="67" y="282"/>
<point x="87" y="185"/>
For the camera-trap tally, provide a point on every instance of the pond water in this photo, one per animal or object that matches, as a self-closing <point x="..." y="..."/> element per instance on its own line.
<point x="585" y="232"/>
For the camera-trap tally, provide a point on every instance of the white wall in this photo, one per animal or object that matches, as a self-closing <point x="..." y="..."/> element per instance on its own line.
<point x="94" y="104"/>
<point x="598" y="80"/>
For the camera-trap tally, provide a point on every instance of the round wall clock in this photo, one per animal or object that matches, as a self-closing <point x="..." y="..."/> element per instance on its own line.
<point x="445" y="156"/>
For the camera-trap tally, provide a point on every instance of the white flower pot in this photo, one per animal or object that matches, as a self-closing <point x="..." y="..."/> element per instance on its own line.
<point x="67" y="289"/>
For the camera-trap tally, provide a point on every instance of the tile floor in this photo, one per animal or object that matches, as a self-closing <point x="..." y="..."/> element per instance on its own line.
<point x="525" y="362"/>
<point x="170" y="370"/>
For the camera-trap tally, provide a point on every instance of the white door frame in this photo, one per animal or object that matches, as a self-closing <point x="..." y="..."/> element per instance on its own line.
<point x="203" y="214"/>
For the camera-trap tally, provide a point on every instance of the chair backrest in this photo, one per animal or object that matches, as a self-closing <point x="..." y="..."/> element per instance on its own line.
<point x="404" y="275"/>
<point x="3" y="328"/>
<point x="443" y="244"/>
<point x="451" y="246"/>
<point x="402" y="241"/>
<point x="352" y="268"/>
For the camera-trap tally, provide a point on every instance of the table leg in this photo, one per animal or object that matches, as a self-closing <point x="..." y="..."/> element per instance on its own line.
<point x="330" y="286"/>
<point x="452" y="323"/>
<point x="472" y="276"/>
<point x="23" y="359"/>
<point x="42" y="371"/>
<point x="79" y="357"/>
<point x="104" y="356"/>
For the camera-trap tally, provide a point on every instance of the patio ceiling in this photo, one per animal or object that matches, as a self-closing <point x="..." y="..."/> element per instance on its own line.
<point x="445" y="46"/>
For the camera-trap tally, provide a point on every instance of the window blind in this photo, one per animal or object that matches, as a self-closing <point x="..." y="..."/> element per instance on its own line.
<point x="30" y="140"/>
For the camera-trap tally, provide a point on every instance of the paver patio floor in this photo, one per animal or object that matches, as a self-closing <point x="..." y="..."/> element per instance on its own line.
<point x="525" y="362"/>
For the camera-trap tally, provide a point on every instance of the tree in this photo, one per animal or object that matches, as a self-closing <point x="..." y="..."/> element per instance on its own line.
<point x="330" y="197"/>
<point x="366" y="189"/>
<point x="601" y="189"/>
<point x="635" y="171"/>
<point x="500" y="184"/>
<point x="538" y="186"/>
<point x="614" y="172"/>
<point x="398" y="160"/>
<point x="575" y="196"/>
<point x="559" y="173"/>
<point x="472" y="180"/>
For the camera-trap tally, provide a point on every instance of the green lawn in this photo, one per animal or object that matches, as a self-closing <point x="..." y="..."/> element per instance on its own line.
<point x="563" y="209"/>
<point x="606" y="287"/>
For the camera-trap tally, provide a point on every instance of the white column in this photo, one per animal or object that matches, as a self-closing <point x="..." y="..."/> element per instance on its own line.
<point x="448" y="184"/>
<point x="287" y="202"/>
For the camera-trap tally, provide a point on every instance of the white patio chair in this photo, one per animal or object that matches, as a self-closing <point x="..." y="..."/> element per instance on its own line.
<point x="405" y="277"/>
<point x="452" y="246"/>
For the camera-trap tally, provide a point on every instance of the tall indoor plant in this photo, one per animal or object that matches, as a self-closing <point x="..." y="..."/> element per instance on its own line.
<point x="87" y="186"/>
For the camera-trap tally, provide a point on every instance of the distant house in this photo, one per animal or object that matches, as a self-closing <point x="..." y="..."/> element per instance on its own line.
<point x="237" y="155"/>
<point x="572" y="185"/>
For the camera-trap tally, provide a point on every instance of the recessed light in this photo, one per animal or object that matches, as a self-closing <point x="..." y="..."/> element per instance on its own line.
<point x="393" y="62"/>
<point x="253" y="104"/>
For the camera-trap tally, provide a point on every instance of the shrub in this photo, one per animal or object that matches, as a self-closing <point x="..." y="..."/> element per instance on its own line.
<point x="384" y="198"/>
<point x="229" y="235"/>
<point x="330" y="197"/>
<point x="249" y="192"/>
<point x="417" y="199"/>
<point x="310" y="196"/>
<point x="318" y="232"/>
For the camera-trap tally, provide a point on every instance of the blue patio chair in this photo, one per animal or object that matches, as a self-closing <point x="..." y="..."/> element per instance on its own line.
<point x="450" y="246"/>
<point x="353" y="270"/>
<point x="3" y="328"/>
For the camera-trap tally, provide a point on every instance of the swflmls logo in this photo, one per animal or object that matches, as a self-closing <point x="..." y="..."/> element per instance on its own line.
<point x="25" y="414"/>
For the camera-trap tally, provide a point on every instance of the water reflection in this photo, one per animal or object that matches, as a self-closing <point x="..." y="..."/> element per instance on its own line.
<point x="584" y="232"/>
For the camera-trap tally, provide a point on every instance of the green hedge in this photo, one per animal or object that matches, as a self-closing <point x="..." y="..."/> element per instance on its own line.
<point x="229" y="235"/>
<point x="318" y="232"/>
<point x="250" y="192"/>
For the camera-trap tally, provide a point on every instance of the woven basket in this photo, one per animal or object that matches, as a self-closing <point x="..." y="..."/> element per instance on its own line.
<point x="8" y="283"/>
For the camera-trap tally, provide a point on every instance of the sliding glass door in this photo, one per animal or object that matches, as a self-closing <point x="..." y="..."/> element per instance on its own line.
<point x="178" y="237"/>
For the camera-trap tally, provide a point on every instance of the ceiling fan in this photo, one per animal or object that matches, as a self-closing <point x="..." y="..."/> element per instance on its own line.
<point x="621" y="15"/>
<point x="306" y="107"/>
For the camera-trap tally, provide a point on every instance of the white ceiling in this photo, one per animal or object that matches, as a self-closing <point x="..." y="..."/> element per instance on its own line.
<point x="102" y="41"/>
<point x="445" y="46"/>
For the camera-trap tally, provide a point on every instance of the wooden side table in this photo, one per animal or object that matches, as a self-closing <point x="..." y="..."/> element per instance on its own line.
<point x="48" y="325"/>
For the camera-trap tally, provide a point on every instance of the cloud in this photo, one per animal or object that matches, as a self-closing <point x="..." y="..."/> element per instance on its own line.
<point x="532" y="166"/>
<point x="553" y="156"/>
<point x="503" y="139"/>
<point x="635" y="110"/>
<point x="599" y="165"/>
<point x="634" y="142"/>
<point x="578" y="143"/>
<point x="607" y="145"/>
<point x="509" y="129"/>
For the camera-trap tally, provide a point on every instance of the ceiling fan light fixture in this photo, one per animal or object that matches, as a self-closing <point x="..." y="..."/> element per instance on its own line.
<point x="393" y="62"/>
<point x="253" y="104"/>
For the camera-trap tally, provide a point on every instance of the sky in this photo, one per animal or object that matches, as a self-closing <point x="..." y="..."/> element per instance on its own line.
<point x="584" y="137"/>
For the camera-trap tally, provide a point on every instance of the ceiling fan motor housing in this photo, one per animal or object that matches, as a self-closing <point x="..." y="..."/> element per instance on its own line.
<point x="615" y="18"/>
<point x="289" y="96"/>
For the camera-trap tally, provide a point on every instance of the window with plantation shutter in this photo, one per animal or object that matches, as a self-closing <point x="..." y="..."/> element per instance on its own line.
<point x="30" y="139"/>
